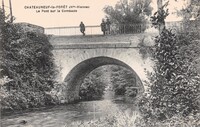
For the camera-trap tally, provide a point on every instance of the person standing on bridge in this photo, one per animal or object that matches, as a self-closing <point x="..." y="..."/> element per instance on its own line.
<point x="103" y="27"/>
<point x="108" y="26"/>
<point x="82" y="28"/>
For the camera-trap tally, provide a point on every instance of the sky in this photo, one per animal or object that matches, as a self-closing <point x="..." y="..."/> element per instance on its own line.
<point x="92" y="15"/>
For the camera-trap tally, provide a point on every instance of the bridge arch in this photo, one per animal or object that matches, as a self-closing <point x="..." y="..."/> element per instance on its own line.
<point x="75" y="77"/>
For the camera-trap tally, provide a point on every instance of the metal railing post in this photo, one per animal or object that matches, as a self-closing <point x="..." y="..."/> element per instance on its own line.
<point x="91" y="30"/>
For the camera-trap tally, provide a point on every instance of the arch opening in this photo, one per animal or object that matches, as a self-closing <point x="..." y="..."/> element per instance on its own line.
<point x="76" y="76"/>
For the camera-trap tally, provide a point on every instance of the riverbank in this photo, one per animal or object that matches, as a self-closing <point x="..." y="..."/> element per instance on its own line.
<point x="117" y="99"/>
<point x="63" y="115"/>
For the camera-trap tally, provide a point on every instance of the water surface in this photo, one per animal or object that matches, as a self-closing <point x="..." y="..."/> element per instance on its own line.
<point x="64" y="115"/>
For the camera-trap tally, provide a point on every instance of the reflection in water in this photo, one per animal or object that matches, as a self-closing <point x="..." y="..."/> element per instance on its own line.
<point x="62" y="116"/>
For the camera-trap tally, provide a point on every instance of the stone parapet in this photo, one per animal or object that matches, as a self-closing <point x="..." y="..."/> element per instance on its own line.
<point x="27" y="27"/>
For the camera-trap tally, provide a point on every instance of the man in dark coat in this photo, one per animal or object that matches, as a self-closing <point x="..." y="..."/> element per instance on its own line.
<point x="108" y="26"/>
<point x="103" y="27"/>
<point x="82" y="28"/>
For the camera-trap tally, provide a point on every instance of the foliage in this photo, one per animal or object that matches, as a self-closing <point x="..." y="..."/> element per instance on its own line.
<point x="174" y="84"/>
<point x="191" y="10"/>
<point x="191" y="17"/>
<point x="93" y="86"/>
<point x="26" y="60"/>
<point x="123" y="81"/>
<point x="158" y="18"/>
<point x="120" y="80"/>
<point x="129" y="13"/>
<point x="175" y="121"/>
<point x="131" y="92"/>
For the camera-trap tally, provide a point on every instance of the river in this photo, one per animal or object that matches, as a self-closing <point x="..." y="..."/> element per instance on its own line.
<point x="66" y="115"/>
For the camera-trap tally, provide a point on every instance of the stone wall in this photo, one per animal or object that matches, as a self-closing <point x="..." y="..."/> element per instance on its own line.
<point x="27" y="27"/>
<point x="75" y="63"/>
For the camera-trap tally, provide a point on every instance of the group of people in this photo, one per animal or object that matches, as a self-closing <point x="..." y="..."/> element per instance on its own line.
<point x="105" y="27"/>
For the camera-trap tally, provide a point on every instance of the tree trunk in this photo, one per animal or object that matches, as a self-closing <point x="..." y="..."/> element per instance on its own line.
<point x="161" y="24"/>
<point x="159" y="4"/>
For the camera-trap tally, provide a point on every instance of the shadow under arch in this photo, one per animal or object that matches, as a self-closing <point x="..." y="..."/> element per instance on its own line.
<point x="76" y="76"/>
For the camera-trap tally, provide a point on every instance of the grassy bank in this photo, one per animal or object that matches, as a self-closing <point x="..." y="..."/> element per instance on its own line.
<point x="124" y="119"/>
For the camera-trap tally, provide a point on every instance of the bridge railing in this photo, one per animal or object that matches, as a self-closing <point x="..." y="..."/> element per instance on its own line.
<point x="178" y="26"/>
<point x="129" y="28"/>
<point x="73" y="30"/>
<point x="96" y="30"/>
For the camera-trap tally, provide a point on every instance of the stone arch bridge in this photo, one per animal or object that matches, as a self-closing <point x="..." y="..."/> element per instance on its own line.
<point x="77" y="60"/>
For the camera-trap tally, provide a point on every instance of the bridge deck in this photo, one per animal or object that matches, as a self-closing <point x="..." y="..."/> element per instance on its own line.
<point x="98" y="41"/>
<point x="60" y="40"/>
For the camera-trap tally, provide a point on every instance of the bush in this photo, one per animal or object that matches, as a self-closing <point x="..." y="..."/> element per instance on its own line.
<point x="93" y="86"/>
<point x="123" y="80"/>
<point x="131" y="92"/>
<point x="28" y="62"/>
<point x="174" y="84"/>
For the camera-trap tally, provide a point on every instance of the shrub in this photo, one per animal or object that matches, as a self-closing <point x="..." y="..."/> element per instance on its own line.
<point x="27" y="61"/>
<point x="174" y="84"/>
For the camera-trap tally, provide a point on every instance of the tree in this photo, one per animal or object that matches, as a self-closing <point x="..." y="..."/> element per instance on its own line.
<point x="174" y="83"/>
<point x="119" y="79"/>
<point x="192" y="10"/>
<point x="123" y="81"/>
<point x="129" y="13"/>
<point x="93" y="86"/>
<point x="191" y="16"/>
<point x="158" y="19"/>
<point x="26" y="60"/>
<point x="162" y="23"/>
